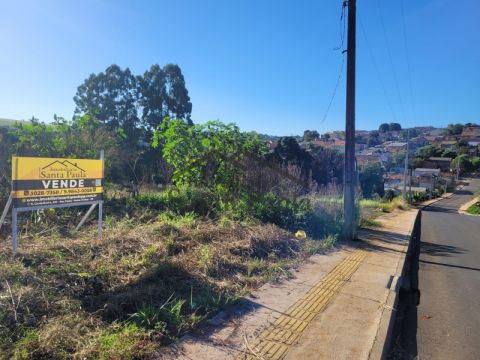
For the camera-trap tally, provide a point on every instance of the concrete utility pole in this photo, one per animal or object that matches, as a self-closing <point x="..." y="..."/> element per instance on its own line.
<point x="410" y="185"/>
<point x="349" y="177"/>
<point x="405" y="174"/>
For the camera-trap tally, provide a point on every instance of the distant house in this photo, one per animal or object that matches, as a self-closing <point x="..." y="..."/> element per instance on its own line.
<point x="392" y="180"/>
<point x="337" y="134"/>
<point x="434" y="139"/>
<point x="424" y="129"/>
<point x="386" y="159"/>
<point x="359" y="147"/>
<point x="339" y="145"/>
<point x="442" y="163"/>
<point x="396" y="147"/>
<point x="474" y="143"/>
<point x="334" y="144"/>
<point x="426" y="178"/>
<point x="471" y="132"/>
<point x="418" y="141"/>
<point x="448" y="144"/>
<point x="436" y="132"/>
<point x="325" y="143"/>
<point x="363" y="158"/>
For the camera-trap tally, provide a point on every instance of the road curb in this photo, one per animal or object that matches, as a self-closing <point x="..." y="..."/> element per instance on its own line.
<point x="383" y="339"/>
<point x="423" y="206"/>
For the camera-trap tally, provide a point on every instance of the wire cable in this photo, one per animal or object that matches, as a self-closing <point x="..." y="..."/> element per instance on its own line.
<point x="408" y="62"/>
<point x="390" y="58"/>
<point x="342" y="65"/>
<point x="377" y="70"/>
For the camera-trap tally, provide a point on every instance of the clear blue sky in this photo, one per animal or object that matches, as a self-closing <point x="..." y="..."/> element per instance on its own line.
<point x="269" y="66"/>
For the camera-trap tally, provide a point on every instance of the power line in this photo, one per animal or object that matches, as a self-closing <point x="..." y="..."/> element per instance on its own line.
<point x="377" y="70"/>
<point x="340" y="47"/>
<point x="390" y="58"/>
<point x="339" y="78"/>
<point x="408" y="62"/>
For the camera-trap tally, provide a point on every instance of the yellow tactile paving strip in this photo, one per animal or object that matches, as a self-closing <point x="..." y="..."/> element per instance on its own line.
<point x="275" y="341"/>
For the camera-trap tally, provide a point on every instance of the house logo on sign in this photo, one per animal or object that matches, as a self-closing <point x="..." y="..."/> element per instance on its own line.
<point x="61" y="170"/>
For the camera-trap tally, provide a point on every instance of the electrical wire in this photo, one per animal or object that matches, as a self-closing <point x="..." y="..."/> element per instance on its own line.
<point x="408" y="62"/>
<point x="377" y="70"/>
<point x="342" y="65"/>
<point x="390" y="58"/>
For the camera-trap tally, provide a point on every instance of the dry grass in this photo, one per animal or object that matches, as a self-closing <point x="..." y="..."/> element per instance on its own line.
<point x="143" y="284"/>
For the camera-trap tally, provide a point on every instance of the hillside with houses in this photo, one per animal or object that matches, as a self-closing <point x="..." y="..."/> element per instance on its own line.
<point x="436" y="156"/>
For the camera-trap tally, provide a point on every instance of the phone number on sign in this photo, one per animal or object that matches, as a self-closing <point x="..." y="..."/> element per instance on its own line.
<point x="59" y="192"/>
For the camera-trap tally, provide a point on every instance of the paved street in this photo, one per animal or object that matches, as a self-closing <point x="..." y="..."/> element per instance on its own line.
<point x="448" y="318"/>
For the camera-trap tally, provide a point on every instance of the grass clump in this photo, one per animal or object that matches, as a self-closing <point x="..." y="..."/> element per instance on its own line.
<point x="474" y="209"/>
<point x="149" y="280"/>
<point x="320" y="246"/>
<point x="126" y="342"/>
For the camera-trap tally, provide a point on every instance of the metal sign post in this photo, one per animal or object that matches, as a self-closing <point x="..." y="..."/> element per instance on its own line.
<point x="14" y="231"/>
<point x="39" y="183"/>
<point x="5" y="210"/>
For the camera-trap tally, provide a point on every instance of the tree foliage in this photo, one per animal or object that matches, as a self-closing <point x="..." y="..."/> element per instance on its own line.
<point x="454" y="129"/>
<point x="385" y="127"/>
<point x="310" y="135"/>
<point x="373" y="139"/>
<point x="210" y="154"/>
<point x="162" y="92"/>
<point x="371" y="179"/>
<point x="462" y="163"/>
<point x="130" y="104"/>
<point x="428" y="151"/>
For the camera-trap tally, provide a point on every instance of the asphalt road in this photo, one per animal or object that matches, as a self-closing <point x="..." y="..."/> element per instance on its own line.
<point x="448" y="317"/>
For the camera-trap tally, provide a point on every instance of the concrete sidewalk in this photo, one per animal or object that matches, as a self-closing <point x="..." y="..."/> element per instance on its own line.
<point x="337" y="306"/>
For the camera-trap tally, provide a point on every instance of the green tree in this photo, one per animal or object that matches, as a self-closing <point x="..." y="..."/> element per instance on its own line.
<point x="327" y="166"/>
<point x="398" y="158"/>
<point x="162" y="92"/>
<point x="395" y="127"/>
<point x="476" y="163"/>
<point x="411" y="133"/>
<point x="310" y="135"/>
<point x="178" y="100"/>
<point x="454" y="129"/>
<point x="371" y="179"/>
<point x="462" y="162"/>
<point x="112" y="97"/>
<point x="373" y="139"/>
<point x="428" y="151"/>
<point x="210" y="154"/>
<point x="384" y="127"/>
<point x="462" y="146"/>
<point x="449" y="153"/>
<point x="325" y="136"/>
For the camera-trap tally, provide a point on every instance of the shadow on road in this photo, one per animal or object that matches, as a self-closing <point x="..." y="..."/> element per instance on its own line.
<point x="434" y="208"/>
<point x="404" y="343"/>
<point x="463" y="192"/>
<point x="439" y="250"/>
<point x="450" y="265"/>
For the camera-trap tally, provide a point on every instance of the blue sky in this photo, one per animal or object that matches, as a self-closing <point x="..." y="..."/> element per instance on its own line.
<point x="268" y="66"/>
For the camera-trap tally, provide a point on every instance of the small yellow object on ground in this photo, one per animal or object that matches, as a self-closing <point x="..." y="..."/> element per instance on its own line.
<point x="300" y="234"/>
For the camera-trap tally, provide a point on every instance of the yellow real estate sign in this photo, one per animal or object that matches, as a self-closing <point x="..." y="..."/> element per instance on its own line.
<point x="50" y="181"/>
